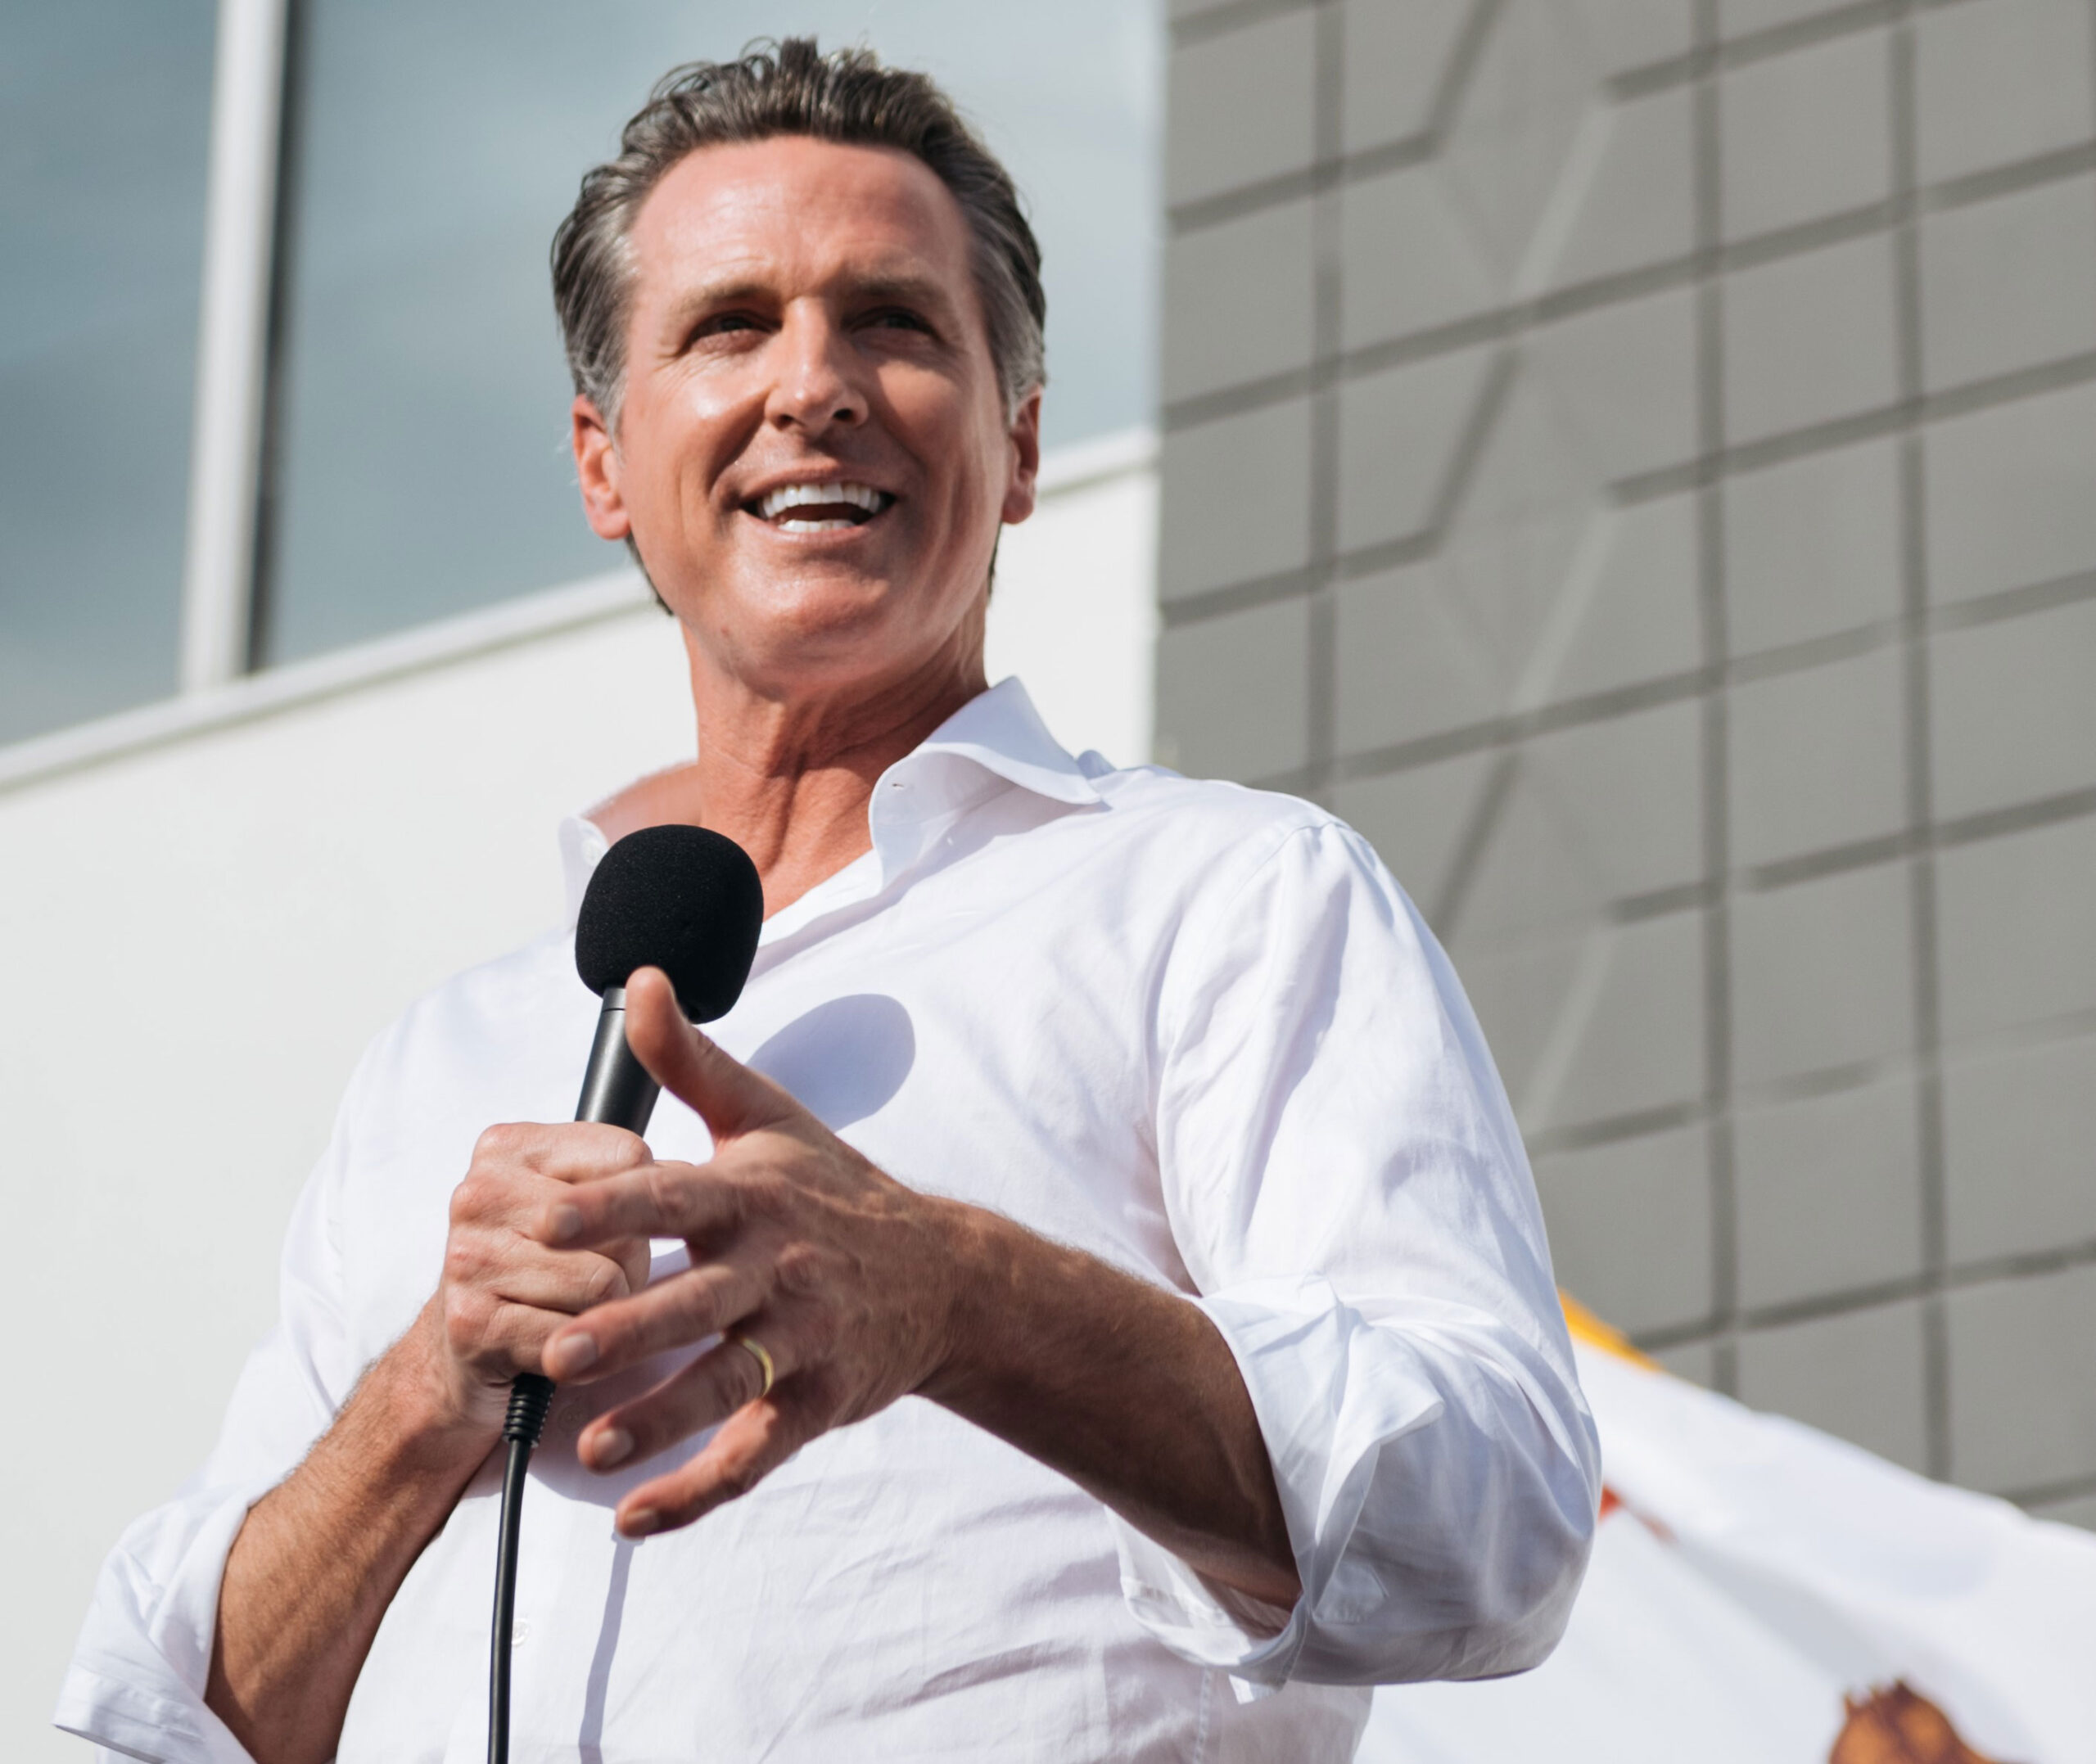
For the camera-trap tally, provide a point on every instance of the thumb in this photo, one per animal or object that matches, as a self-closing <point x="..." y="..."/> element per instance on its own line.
<point x="724" y="1093"/>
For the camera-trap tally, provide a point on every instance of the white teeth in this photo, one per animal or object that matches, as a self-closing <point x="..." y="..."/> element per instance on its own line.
<point x="793" y="495"/>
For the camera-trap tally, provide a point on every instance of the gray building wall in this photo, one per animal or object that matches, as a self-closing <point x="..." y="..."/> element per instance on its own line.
<point x="1636" y="459"/>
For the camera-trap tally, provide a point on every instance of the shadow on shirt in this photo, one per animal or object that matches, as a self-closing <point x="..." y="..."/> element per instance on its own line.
<point x="844" y="1060"/>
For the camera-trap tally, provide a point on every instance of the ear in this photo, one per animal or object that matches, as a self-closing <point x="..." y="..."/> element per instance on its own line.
<point x="597" y="469"/>
<point x="1025" y="438"/>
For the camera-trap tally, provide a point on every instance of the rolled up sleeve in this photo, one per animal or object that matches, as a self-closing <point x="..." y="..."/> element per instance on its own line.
<point x="1348" y="1189"/>
<point x="137" y="1680"/>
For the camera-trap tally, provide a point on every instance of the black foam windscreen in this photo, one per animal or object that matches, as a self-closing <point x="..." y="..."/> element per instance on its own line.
<point x="682" y="899"/>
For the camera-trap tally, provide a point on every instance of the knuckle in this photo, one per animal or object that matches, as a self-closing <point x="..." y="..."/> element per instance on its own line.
<point x="703" y="1304"/>
<point x="716" y="1300"/>
<point x="602" y="1281"/>
<point x="800" y="1269"/>
<point x="479" y="1198"/>
<point x="499" y="1143"/>
<point x="465" y="1316"/>
<point x="665" y="1193"/>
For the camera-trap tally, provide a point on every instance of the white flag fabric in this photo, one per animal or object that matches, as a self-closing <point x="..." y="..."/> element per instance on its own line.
<point x="1762" y="1593"/>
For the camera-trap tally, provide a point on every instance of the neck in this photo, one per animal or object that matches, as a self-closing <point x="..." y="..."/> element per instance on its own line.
<point x="788" y="773"/>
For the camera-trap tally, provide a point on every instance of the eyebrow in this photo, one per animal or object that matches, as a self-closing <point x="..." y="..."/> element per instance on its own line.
<point x="900" y="287"/>
<point x="919" y="291"/>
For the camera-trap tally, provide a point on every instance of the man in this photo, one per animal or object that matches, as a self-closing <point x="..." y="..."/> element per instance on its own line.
<point x="1109" y="1316"/>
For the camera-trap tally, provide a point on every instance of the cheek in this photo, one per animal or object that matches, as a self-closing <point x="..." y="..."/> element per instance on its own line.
<point x="687" y="434"/>
<point x="975" y="490"/>
<point x="959" y="435"/>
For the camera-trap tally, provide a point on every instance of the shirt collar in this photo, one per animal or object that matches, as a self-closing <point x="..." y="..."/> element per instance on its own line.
<point x="1001" y="732"/>
<point x="997" y="732"/>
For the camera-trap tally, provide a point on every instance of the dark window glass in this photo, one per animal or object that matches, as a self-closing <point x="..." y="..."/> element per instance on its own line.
<point x="105" y="121"/>
<point x="420" y="459"/>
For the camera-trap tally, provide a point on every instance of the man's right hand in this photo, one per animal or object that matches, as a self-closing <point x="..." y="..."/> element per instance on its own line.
<point x="503" y="1292"/>
<point x="320" y="1557"/>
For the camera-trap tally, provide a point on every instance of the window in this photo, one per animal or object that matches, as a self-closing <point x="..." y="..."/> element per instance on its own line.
<point x="104" y="122"/>
<point x="419" y="450"/>
<point x="409" y="460"/>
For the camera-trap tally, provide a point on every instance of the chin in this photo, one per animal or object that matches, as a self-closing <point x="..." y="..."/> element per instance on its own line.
<point x="804" y="633"/>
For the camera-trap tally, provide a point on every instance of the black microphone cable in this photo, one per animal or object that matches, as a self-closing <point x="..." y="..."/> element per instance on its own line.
<point x="689" y="901"/>
<point x="529" y="1397"/>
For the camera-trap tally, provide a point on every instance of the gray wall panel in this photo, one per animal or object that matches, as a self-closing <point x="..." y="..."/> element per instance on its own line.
<point x="1861" y="1374"/>
<point x="1830" y="1194"/>
<point x="1806" y="135"/>
<point x="1668" y="530"/>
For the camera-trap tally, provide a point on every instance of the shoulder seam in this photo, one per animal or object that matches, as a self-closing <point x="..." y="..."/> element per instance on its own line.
<point x="1281" y="840"/>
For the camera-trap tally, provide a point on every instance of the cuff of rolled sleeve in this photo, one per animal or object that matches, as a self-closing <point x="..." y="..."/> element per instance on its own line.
<point x="139" y="1675"/>
<point x="1325" y="1416"/>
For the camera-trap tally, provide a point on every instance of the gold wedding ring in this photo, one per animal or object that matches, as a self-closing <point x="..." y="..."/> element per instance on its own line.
<point x="763" y="1359"/>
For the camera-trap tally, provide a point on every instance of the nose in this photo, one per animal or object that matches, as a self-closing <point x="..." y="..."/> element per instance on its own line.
<point x="816" y="387"/>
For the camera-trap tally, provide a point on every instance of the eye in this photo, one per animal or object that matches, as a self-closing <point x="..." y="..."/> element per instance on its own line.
<point x="900" y="318"/>
<point x="725" y="324"/>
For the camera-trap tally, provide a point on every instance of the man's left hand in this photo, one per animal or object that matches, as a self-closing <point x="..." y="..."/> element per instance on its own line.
<point x="841" y="1275"/>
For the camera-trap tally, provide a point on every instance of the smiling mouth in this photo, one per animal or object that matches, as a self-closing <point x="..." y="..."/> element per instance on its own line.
<point x="820" y="507"/>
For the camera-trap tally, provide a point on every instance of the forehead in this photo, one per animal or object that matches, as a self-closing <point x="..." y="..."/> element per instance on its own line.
<point x="800" y="210"/>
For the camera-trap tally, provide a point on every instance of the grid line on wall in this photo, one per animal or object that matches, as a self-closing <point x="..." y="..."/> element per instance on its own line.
<point x="2010" y="388"/>
<point x="1882" y="219"/>
<point x="1771" y="664"/>
<point x="1321" y="649"/>
<point x="1232" y="15"/>
<point x="1846" y="1301"/>
<point x="1370" y="162"/>
<point x="1921" y="814"/>
<point x="1716" y="914"/>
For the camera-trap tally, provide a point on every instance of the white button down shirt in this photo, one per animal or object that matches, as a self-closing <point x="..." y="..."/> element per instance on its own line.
<point x="1194" y="1029"/>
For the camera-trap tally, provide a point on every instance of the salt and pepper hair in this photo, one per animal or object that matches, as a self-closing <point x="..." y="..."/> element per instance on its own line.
<point x="792" y="88"/>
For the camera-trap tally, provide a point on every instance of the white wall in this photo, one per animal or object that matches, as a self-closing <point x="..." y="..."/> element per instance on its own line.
<point x="207" y="908"/>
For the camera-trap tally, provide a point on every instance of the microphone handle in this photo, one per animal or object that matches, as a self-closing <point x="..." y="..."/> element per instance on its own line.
<point x="615" y="1088"/>
<point x="618" y="1090"/>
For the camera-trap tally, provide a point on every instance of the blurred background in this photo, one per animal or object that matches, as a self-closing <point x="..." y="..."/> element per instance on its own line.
<point x="1634" y="458"/>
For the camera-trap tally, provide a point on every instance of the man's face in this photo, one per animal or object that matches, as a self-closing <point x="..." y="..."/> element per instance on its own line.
<point x="813" y="455"/>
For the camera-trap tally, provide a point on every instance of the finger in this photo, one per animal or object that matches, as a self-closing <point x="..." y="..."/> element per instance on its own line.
<point x="656" y="1200"/>
<point x="507" y="1193"/>
<point x="687" y="1307"/>
<point x="712" y="1387"/>
<point x="753" y="1443"/>
<point x="497" y="1339"/>
<point x="491" y="1243"/>
<point x="578" y="1150"/>
<point x="725" y="1094"/>
<point x="561" y="1281"/>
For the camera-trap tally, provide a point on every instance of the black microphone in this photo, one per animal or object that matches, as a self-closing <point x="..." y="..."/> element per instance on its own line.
<point x="680" y="899"/>
<point x="688" y="902"/>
